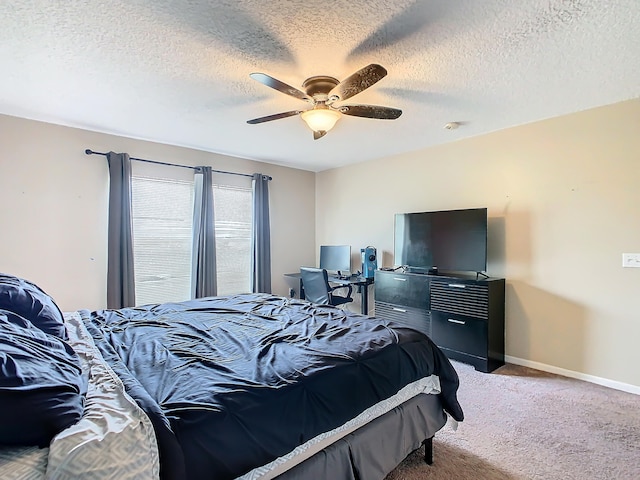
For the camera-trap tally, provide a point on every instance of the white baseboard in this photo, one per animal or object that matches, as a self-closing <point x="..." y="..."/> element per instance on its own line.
<point x="625" y="387"/>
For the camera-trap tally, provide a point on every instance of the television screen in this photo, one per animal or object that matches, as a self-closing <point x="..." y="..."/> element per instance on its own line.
<point x="449" y="240"/>
<point x="336" y="258"/>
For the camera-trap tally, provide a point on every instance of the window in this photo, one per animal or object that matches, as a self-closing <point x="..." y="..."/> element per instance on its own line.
<point x="233" y="211"/>
<point x="162" y="212"/>
<point x="162" y="239"/>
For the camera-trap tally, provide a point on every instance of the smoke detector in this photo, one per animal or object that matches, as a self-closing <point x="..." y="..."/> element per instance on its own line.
<point x="451" y="125"/>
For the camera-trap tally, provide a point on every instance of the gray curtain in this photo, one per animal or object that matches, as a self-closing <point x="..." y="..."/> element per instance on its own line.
<point x="120" y="275"/>
<point x="261" y="236"/>
<point x="203" y="256"/>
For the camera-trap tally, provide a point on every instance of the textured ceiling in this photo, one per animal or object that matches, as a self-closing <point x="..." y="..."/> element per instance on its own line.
<point x="177" y="72"/>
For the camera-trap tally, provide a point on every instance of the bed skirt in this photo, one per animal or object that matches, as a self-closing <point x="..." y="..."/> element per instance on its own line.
<point x="375" y="449"/>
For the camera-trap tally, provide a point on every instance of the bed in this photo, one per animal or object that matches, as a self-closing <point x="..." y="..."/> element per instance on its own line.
<point x="252" y="386"/>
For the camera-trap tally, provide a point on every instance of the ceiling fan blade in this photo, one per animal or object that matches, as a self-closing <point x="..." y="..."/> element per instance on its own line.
<point x="280" y="86"/>
<point x="276" y="116"/>
<point x="371" y="111"/>
<point x="359" y="81"/>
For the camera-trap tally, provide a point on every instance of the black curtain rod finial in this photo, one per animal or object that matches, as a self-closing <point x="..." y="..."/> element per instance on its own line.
<point x="88" y="151"/>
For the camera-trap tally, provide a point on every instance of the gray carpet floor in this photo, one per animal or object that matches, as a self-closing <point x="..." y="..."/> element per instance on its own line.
<point x="522" y="423"/>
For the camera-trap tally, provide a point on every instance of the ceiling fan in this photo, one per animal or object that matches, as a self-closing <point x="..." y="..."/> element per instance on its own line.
<point x="323" y="93"/>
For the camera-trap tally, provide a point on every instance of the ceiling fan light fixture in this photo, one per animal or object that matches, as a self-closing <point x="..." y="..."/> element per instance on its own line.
<point x="320" y="119"/>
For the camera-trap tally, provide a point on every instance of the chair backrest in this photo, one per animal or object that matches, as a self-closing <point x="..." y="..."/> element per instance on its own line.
<point x="315" y="282"/>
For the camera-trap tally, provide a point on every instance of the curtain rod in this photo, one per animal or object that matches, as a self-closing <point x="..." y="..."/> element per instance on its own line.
<point x="91" y="152"/>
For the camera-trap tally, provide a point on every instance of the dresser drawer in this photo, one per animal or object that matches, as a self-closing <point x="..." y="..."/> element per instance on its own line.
<point x="460" y="333"/>
<point x="415" y="318"/>
<point x="459" y="297"/>
<point x="411" y="290"/>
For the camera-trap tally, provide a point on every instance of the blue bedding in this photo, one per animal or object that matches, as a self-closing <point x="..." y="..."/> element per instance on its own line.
<point x="232" y="383"/>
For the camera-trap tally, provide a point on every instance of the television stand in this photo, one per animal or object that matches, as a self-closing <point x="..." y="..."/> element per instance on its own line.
<point x="462" y="315"/>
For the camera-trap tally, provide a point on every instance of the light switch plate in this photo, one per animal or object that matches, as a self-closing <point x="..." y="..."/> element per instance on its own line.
<point x="631" y="260"/>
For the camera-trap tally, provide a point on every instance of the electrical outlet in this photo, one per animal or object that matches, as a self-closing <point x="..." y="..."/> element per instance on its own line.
<point x="631" y="260"/>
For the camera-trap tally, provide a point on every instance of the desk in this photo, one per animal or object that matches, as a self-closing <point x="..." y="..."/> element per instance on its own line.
<point x="361" y="282"/>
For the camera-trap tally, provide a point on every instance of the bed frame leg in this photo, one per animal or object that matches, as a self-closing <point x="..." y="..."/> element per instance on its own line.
<point x="428" y="451"/>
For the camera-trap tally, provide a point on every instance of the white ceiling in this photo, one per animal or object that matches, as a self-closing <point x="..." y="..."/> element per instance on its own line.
<point x="177" y="72"/>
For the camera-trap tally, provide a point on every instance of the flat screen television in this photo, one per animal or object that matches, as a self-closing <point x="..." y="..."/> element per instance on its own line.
<point x="448" y="240"/>
<point x="336" y="258"/>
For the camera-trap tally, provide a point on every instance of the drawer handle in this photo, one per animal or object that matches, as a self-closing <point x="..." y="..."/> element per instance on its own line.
<point x="402" y="310"/>
<point x="453" y="320"/>
<point x="457" y="285"/>
<point x="400" y="279"/>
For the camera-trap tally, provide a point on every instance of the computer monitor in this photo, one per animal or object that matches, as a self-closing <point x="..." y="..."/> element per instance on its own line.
<point x="336" y="258"/>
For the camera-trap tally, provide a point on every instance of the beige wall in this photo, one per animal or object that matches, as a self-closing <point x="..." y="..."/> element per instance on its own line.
<point x="53" y="207"/>
<point x="563" y="197"/>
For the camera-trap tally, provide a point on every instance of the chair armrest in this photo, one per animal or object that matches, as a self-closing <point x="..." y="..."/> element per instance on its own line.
<point x="349" y="287"/>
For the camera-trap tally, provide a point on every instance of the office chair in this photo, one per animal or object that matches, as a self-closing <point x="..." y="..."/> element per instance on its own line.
<point x="315" y="282"/>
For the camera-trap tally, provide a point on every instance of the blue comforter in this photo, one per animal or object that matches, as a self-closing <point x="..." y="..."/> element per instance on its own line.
<point x="231" y="383"/>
